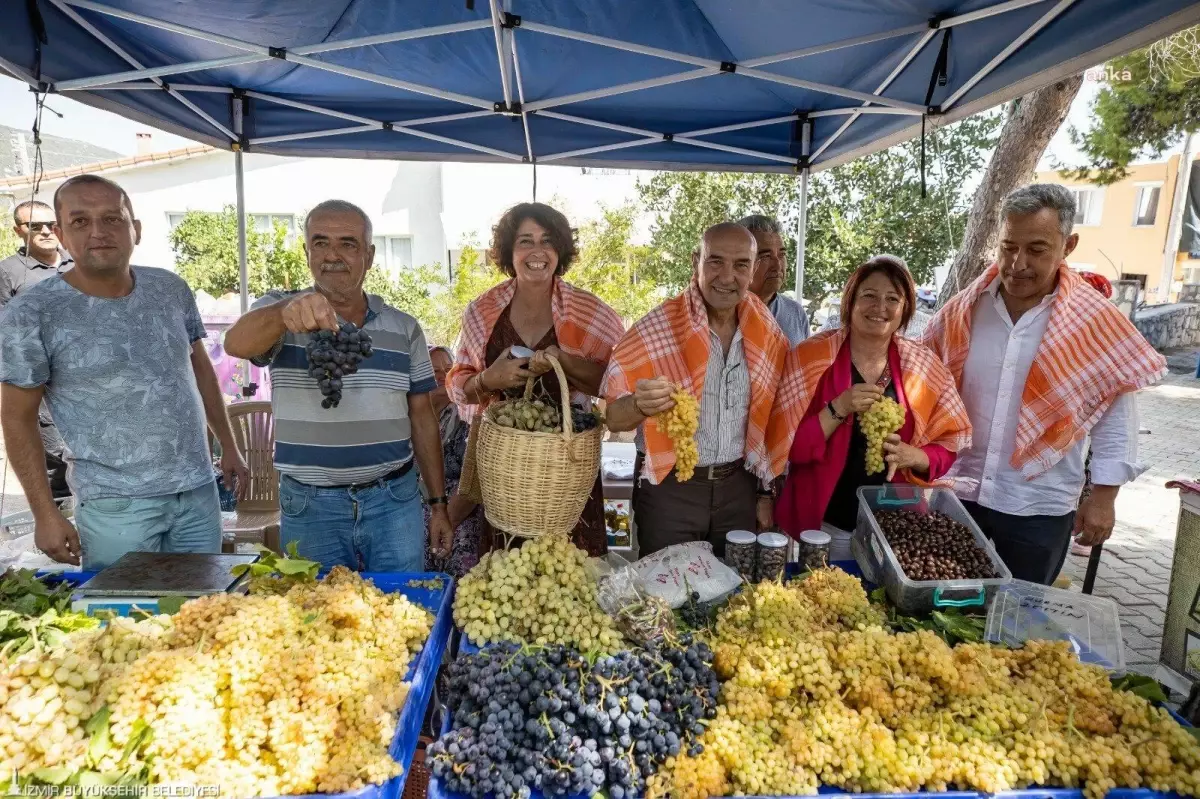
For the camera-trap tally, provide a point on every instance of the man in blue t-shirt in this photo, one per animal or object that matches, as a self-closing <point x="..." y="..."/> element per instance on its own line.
<point x="115" y="351"/>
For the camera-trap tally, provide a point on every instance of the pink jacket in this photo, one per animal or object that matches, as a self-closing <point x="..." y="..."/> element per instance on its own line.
<point x="815" y="464"/>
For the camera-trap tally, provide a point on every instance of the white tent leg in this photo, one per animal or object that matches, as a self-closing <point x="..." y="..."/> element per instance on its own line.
<point x="240" y="184"/>
<point x="801" y="235"/>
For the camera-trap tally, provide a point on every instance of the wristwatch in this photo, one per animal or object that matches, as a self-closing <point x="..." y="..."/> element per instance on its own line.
<point x="442" y="500"/>
<point x="837" y="417"/>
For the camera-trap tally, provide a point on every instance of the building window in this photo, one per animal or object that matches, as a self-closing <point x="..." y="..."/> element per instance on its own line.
<point x="263" y="223"/>
<point x="1139" y="279"/>
<point x="1145" y="208"/>
<point x="393" y="253"/>
<point x="1088" y="206"/>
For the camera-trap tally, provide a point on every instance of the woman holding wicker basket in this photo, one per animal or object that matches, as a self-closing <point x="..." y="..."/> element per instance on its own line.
<point x="535" y="309"/>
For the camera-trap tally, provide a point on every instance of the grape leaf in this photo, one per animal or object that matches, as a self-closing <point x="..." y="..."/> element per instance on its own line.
<point x="1140" y="685"/>
<point x="290" y="567"/>
<point x="52" y="776"/>
<point x="139" y="735"/>
<point x="171" y="604"/>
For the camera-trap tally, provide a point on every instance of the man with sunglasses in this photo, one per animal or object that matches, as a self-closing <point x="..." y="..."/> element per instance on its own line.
<point x="39" y="257"/>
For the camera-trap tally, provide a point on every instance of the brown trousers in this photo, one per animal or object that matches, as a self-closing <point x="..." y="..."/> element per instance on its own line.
<point x="697" y="510"/>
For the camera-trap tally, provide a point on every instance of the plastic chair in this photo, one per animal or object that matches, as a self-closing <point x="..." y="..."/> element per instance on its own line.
<point x="257" y="517"/>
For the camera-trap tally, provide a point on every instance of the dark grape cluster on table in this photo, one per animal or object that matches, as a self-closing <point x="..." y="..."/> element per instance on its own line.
<point x="334" y="355"/>
<point x="543" y="719"/>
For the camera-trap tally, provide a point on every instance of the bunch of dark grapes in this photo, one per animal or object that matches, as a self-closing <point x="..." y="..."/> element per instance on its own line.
<point x="694" y="613"/>
<point x="543" y="719"/>
<point x="333" y="355"/>
<point x="584" y="420"/>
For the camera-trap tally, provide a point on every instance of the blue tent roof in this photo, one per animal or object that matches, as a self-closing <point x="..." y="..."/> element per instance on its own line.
<point x="754" y="85"/>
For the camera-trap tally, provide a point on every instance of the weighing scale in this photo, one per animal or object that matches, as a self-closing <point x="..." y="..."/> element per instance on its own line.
<point x="136" y="582"/>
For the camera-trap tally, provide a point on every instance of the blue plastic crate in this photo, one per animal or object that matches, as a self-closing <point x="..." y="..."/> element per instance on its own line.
<point x="422" y="672"/>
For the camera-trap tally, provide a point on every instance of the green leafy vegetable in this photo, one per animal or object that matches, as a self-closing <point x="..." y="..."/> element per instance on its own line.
<point x="954" y="626"/>
<point x="275" y="574"/>
<point x="97" y="728"/>
<point x="171" y="604"/>
<point x="35" y="615"/>
<point x="1140" y="685"/>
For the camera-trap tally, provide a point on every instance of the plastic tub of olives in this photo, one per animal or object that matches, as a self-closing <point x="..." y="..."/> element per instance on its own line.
<point x="880" y="565"/>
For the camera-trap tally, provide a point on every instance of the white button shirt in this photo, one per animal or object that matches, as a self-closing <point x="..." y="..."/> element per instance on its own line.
<point x="724" y="405"/>
<point x="993" y="381"/>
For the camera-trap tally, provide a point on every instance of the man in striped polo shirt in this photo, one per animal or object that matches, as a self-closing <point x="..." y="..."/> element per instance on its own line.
<point x="348" y="492"/>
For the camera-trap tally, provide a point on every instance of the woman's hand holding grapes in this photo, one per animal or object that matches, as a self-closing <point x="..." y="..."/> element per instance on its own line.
<point x="857" y="399"/>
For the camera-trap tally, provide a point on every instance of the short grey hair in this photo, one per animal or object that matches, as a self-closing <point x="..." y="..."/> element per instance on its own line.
<point x="761" y="223"/>
<point x="341" y="207"/>
<point x="1040" y="196"/>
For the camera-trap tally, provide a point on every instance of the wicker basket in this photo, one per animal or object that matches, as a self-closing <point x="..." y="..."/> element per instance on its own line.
<point x="536" y="484"/>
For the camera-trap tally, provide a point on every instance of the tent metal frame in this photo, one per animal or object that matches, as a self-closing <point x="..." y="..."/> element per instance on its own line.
<point x="504" y="26"/>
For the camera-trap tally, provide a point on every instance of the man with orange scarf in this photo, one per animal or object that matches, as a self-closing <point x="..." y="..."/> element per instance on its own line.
<point x="1042" y="362"/>
<point x="719" y="342"/>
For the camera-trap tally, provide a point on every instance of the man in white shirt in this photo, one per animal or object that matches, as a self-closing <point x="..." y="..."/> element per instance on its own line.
<point x="770" y="267"/>
<point x="1042" y="362"/>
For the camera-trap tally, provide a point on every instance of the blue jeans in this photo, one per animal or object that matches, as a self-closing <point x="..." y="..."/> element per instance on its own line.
<point x="111" y="526"/>
<point x="377" y="528"/>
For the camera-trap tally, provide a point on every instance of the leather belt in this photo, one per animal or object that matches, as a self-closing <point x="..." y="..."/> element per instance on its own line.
<point x="719" y="471"/>
<point x="395" y="474"/>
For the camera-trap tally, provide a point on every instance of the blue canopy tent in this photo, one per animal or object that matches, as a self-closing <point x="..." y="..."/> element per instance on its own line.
<point x="746" y="85"/>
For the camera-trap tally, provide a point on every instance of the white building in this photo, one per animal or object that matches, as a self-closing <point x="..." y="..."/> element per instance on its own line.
<point x="403" y="199"/>
<point x="422" y="212"/>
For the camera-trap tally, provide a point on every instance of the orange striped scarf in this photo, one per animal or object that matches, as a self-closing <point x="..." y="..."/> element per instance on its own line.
<point x="672" y="343"/>
<point x="584" y="325"/>
<point x="1089" y="356"/>
<point x="939" y="416"/>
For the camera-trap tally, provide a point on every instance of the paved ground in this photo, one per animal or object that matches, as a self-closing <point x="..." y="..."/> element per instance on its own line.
<point x="1135" y="568"/>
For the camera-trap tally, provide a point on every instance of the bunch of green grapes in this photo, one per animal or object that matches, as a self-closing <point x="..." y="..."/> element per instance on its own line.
<point x="261" y="695"/>
<point x="537" y="594"/>
<point x="680" y="424"/>
<point x="883" y="419"/>
<point x="817" y="692"/>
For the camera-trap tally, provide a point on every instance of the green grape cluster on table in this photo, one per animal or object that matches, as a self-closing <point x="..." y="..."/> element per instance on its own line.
<point x="883" y="419"/>
<point x="537" y="594"/>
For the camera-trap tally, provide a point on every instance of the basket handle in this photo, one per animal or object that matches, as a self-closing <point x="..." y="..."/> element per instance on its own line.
<point x="564" y="391"/>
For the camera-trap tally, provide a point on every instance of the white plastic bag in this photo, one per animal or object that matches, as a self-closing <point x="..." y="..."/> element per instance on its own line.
<point x="672" y="573"/>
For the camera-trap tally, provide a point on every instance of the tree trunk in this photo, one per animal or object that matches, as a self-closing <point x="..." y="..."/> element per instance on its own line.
<point x="1027" y="131"/>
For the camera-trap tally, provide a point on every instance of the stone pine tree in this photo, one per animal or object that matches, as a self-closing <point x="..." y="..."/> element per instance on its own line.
<point x="1032" y="121"/>
<point x="1151" y="100"/>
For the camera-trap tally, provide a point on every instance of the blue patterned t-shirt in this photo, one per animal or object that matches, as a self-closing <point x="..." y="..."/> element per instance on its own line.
<point x="119" y="381"/>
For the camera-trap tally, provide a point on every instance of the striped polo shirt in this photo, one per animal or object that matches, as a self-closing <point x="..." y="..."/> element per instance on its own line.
<point x="368" y="434"/>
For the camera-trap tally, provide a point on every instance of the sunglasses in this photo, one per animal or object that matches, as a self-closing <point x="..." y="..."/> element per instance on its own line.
<point x="38" y="227"/>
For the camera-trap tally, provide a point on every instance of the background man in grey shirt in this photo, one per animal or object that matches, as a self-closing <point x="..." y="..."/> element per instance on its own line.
<point x="115" y="351"/>
<point x="770" y="268"/>
<point x="39" y="257"/>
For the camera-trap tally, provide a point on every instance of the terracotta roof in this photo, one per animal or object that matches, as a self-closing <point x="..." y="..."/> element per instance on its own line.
<point x="112" y="165"/>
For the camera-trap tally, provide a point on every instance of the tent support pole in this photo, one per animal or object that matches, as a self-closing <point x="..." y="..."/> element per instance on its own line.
<point x="239" y="174"/>
<point x="802" y="222"/>
<point x="801" y="235"/>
